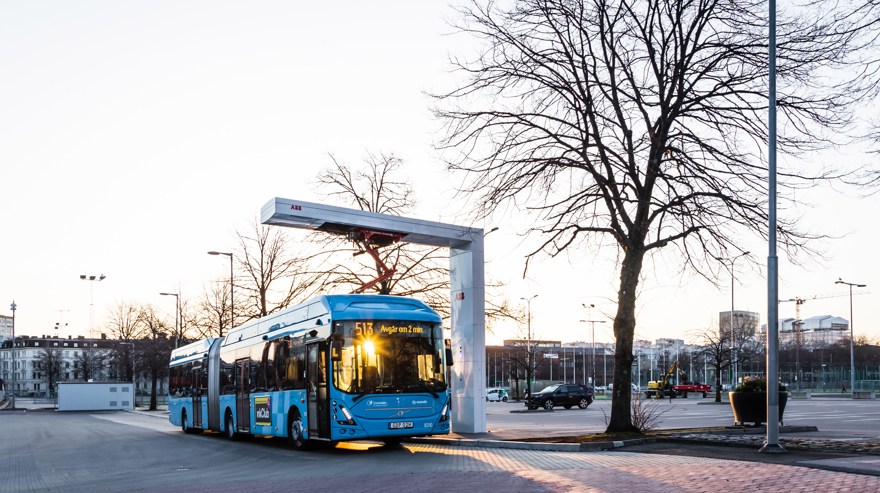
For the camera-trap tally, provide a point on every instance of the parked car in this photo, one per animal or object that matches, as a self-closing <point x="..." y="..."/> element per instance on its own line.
<point x="633" y="388"/>
<point x="496" y="395"/>
<point x="565" y="395"/>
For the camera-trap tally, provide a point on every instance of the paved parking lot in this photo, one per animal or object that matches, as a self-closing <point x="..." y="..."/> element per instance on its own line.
<point x="88" y="452"/>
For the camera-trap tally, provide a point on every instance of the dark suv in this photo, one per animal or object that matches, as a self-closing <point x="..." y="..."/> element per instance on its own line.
<point x="565" y="395"/>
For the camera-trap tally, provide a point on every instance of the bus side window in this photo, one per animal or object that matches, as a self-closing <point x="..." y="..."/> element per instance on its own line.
<point x="290" y="366"/>
<point x="226" y="379"/>
<point x="236" y="378"/>
<point x="277" y="373"/>
<point x="254" y="373"/>
<point x="296" y="368"/>
<point x="266" y="369"/>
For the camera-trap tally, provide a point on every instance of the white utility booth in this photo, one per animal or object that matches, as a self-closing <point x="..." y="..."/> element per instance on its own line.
<point x="95" y="396"/>
<point x="467" y="278"/>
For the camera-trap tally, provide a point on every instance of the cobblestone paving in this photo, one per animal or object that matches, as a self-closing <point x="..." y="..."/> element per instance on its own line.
<point x="444" y="468"/>
<point x="631" y="472"/>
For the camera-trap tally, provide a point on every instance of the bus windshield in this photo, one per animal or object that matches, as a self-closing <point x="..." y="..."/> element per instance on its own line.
<point x="390" y="357"/>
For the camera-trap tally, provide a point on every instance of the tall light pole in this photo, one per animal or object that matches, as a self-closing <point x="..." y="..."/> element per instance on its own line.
<point x="593" y="350"/>
<point x="232" y="290"/>
<point x="93" y="280"/>
<point x="733" y="364"/>
<point x="771" y="445"/>
<point x="13" y="307"/>
<point x="176" y="314"/>
<point x="529" y="343"/>
<point x="852" y="357"/>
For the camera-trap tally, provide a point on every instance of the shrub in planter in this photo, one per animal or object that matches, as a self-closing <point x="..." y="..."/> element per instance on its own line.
<point x="749" y="401"/>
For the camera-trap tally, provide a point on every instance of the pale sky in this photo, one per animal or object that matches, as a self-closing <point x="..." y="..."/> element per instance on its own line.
<point x="136" y="136"/>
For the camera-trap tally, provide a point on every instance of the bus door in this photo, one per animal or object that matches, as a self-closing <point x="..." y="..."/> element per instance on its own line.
<point x="243" y="396"/>
<point x="319" y="413"/>
<point x="198" y="390"/>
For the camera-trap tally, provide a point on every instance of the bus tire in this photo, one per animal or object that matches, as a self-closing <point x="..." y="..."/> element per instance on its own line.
<point x="231" y="434"/>
<point x="295" y="430"/>
<point x="392" y="441"/>
<point x="183" y="424"/>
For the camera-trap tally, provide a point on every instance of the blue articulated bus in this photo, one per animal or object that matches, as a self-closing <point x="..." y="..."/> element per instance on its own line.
<point x="336" y="368"/>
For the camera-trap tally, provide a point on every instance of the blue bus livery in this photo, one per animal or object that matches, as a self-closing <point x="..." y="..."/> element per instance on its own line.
<point x="336" y="368"/>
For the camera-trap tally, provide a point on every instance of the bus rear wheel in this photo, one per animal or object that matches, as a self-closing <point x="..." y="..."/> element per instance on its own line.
<point x="184" y="425"/>
<point x="231" y="435"/>
<point x="295" y="431"/>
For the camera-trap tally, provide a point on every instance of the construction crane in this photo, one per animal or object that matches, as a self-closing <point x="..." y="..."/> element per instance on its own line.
<point x="800" y="301"/>
<point x="797" y="326"/>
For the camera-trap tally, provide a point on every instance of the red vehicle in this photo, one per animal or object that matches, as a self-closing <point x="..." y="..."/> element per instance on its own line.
<point x="683" y="389"/>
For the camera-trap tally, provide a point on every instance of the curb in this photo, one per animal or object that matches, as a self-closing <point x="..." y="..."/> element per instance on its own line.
<point x="679" y="437"/>
<point x="466" y="442"/>
<point x="542" y="446"/>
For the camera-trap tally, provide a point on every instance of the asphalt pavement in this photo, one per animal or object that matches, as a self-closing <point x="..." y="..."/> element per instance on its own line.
<point x="696" y="460"/>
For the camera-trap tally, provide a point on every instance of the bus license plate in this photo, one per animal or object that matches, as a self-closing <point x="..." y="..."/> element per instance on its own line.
<point x="400" y="425"/>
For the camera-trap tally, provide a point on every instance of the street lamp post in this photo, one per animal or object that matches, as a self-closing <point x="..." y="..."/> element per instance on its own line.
<point x="852" y="357"/>
<point x="564" y="368"/>
<point x="593" y="346"/>
<point x="733" y="364"/>
<point x="13" y="307"/>
<point x="529" y="343"/>
<point x="176" y="314"/>
<point x="231" y="290"/>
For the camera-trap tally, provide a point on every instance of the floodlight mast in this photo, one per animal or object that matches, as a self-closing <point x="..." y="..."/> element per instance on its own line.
<point x="467" y="283"/>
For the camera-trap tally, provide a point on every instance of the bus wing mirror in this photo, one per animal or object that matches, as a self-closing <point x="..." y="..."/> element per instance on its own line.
<point x="448" y="344"/>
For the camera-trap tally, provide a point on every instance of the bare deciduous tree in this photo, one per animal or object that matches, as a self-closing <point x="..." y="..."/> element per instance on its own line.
<point x="213" y="319"/>
<point x="49" y="362"/>
<point x="716" y="353"/>
<point x="376" y="187"/>
<point x="420" y="271"/>
<point x="271" y="277"/>
<point x="90" y="363"/>
<point x="123" y="321"/>
<point x="154" y="348"/>
<point x="642" y="123"/>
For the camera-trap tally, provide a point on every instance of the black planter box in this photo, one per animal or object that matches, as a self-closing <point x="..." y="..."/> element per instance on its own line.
<point x="752" y="407"/>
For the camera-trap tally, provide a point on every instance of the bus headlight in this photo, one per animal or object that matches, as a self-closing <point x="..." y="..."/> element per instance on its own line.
<point x="444" y="414"/>
<point x="349" y="419"/>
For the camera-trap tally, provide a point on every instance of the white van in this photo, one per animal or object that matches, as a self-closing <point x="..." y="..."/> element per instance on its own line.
<point x="496" y="395"/>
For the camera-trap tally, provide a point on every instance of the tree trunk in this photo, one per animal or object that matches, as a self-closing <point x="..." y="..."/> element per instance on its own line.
<point x="154" y="378"/>
<point x="624" y="332"/>
<point x="717" y="384"/>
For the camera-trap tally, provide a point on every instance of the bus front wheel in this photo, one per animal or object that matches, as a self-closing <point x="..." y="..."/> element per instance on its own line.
<point x="295" y="431"/>
<point x="392" y="441"/>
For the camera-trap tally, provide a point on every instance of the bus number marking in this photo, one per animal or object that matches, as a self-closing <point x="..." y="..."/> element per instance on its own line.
<point x="363" y="329"/>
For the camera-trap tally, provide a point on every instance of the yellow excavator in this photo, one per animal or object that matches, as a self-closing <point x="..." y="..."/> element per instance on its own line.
<point x="664" y="388"/>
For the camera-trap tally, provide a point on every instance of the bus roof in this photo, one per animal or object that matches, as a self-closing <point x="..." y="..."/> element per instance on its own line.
<point x="193" y="349"/>
<point x="361" y="306"/>
<point x="320" y="311"/>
